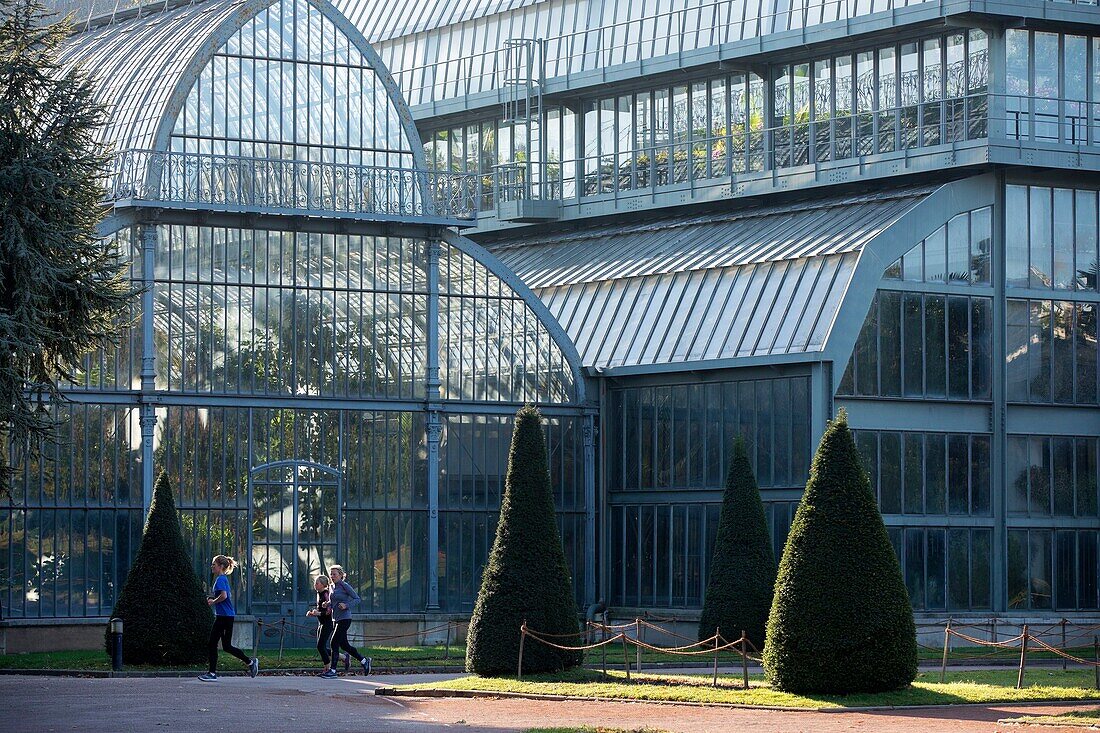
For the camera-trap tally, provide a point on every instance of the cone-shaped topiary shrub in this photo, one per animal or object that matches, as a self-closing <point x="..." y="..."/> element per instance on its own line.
<point x="162" y="602"/>
<point x="841" y="620"/>
<point x="526" y="577"/>
<point x="742" y="575"/>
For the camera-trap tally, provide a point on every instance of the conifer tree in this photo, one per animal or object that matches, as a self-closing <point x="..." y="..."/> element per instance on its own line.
<point x="63" y="290"/>
<point x="526" y="577"/>
<point x="841" y="620"/>
<point x="742" y="574"/>
<point x="162" y="604"/>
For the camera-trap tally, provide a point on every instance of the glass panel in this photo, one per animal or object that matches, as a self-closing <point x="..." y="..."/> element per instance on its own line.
<point x="1018" y="593"/>
<point x="1065" y="569"/>
<point x="1039" y="562"/>
<point x="980" y="569"/>
<point x="890" y="471"/>
<point x="958" y="569"/>
<point x="1016" y="232"/>
<point x="935" y="473"/>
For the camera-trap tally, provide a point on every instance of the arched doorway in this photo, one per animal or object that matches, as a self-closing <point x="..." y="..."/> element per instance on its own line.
<point x="294" y="532"/>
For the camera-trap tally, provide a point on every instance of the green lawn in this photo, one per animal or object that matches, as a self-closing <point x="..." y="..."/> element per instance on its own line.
<point x="961" y="687"/>
<point x="1075" y="717"/>
<point x="384" y="657"/>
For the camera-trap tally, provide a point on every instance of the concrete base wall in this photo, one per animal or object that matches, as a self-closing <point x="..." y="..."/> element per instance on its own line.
<point x="25" y="636"/>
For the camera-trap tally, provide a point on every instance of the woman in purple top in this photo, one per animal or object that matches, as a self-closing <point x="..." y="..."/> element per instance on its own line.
<point x="224" y="614"/>
<point x="341" y="598"/>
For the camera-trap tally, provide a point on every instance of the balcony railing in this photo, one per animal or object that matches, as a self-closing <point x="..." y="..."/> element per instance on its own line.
<point x="234" y="182"/>
<point x="710" y="23"/>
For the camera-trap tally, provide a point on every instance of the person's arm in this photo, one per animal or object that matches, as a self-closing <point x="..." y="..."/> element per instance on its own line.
<point x="220" y="592"/>
<point x="352" y="598"/>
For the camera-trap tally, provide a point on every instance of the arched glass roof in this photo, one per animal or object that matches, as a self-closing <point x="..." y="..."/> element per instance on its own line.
<point x="291" y="73"/>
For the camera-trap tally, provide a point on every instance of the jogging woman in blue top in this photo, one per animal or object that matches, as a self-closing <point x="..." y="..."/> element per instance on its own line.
<point x="224" y="614"/>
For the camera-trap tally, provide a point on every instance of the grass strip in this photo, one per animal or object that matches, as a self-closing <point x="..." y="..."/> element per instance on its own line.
<point x="1084" y="718"/>
<point x="992" y="686"/>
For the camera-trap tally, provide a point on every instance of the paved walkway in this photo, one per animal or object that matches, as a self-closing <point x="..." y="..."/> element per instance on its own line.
<point x="285" y="704"/>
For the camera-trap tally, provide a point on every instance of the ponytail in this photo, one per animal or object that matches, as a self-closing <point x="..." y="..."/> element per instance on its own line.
<point x="225" y="562"/>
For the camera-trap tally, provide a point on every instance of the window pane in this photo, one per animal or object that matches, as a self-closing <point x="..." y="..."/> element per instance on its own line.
<point x="1086" y="236"/>
<point x="935" y="474"/>
<point x="1041" y="247"/>
<point x="935" y="256"/>
<point x="958" y="462"/>
<point x="914" y="566"/>
<point x="914" y="345"/>
<point x="890" y="471"/>
<point x="1085" y="344"/>
<point x="1062" y="318"/>
<point x="1088" y="571"/>
<point x="1063" y="477"/>
<point x="981" y="346"/>
<point x="1065" y="569"/>
<point x="1039" y="569"/>
<point x="936" y="562"/>
<point x="1039" y="469"/>
<point x="1039" y="326"/>
<point x="914" y="473"/>
<point x="958" y="343"/>
<point x="890" y="343"/>
<point x="934" y="349"/>
<point x="1016" y="350"/>
<point x="980" y="245"/>
<point x="958" y="569"/>
<point x="1016" y="229"/>
<point x="980" y="572"/>
<point x="979" y="475"/>
<point x="1064" y="275"/>
<point x="958" y="248"/>
<point x="1086" y="476"/>
<point x="1017" y="569"/>
<point x="1017" y="474"/>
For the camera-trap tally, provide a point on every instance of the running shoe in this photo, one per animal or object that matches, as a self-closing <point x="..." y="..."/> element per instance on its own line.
<point x="209" y="677"/>
<point x="253" y="667"/>
<point x="365" y="661"/>
<point x="347" y="662"/>
<point x="329" y="674"/>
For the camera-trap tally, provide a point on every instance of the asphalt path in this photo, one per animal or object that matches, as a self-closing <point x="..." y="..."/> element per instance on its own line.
<point x="303" y="704"/>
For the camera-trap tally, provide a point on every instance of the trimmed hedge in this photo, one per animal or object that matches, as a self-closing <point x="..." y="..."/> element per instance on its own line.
<point x="526" y="577"/>
<point x="162" y="603"/>
<point x="742" y="575"/>
<point x="841" y="620"/>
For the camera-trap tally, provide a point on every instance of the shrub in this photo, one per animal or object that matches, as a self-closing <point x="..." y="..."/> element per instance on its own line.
<point x="162" y="602"/>
<point x="526" y="577"/>
<point x="742" y="575"/>
<point x="841" y="620"/>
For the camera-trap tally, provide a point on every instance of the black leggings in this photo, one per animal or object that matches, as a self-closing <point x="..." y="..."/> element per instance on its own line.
<point x="324" y="638"/>
<point x="223" y="630"/>
<point x="340" y="640"/>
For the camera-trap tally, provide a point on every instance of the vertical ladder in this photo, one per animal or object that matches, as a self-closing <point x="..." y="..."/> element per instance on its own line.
<point x="523" y="75"/>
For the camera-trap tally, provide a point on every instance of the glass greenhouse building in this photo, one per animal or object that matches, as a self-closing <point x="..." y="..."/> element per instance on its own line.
<point x="368" y="232"/>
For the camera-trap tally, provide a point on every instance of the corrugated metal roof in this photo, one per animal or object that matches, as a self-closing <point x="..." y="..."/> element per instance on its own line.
<point x="693" y="289"/>
<point x="702" y="242"/>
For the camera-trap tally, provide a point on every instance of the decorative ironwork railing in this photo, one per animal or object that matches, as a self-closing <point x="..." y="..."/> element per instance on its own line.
<point x="234" y="182"/>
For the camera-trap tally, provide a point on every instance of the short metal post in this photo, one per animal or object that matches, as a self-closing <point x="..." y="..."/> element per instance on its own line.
<point x="993" y="630"/>
<point x="626" y="655"/>
<point x="282" y="637"/>
<point x="1063" y="644"/>
<point x="745" y="658"/>
<point x="447" y="644"/>
<point x="256" y="636"/>
<point x="603" y="647"/>
<point x="715" y="682"/>
<point x="116" y="644"/>
<point x="1023" y="658"/>
<point x="522" y="638"/>
<point x="946" y="645"/>
<point x="1096" y="659"/>
<point x="638" y="647"/>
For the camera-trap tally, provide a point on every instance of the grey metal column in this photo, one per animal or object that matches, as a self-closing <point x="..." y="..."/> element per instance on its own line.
<point x="434" y="422"/>
<point x="821" y="401"/>
<point x="998" y="443"/>
<point x="589" y="509"/>
<point x="146" y="412"/>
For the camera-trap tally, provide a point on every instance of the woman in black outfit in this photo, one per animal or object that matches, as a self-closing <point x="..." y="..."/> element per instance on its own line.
<point x="324" y="625"/>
